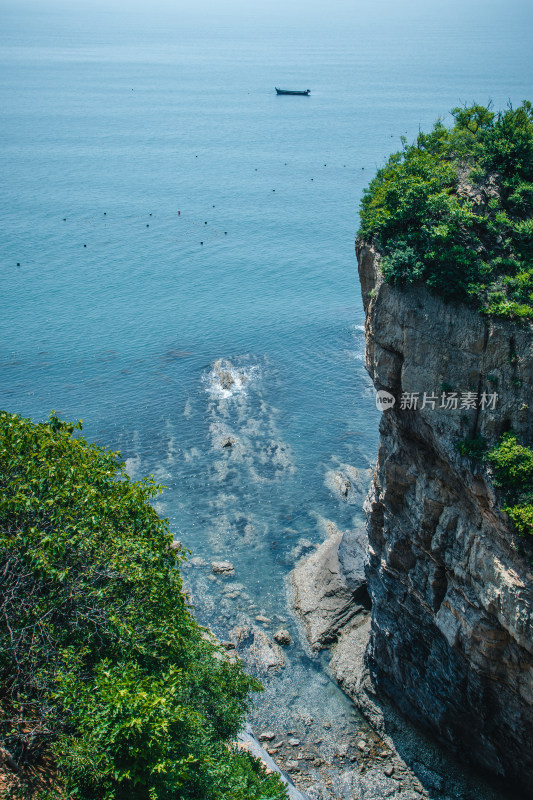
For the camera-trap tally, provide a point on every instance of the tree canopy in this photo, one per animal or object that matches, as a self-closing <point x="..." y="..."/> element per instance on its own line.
<point x="104" y="671"/>
<point x="454" y="211"/>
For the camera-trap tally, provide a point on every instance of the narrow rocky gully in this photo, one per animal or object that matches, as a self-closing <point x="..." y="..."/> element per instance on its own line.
<point x="304" y="634"/>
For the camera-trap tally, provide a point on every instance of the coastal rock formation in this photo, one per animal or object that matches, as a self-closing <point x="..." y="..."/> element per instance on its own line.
<point x="330" y="586"/>
<point x="451" y="637"/>
<point x="257" y="651"/>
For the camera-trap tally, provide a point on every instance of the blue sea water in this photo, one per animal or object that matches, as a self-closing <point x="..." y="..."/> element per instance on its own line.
<point x="187" y="272"/>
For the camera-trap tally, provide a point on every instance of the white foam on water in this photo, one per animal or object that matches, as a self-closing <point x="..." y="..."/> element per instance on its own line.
<point x="358" y="335"/>
<point x="226" y="380"/>
<point x="132" y="466"/>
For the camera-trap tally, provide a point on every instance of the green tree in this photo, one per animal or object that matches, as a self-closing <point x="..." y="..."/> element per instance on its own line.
<point x="454" y="211"/>
<point x="101" y="662"/>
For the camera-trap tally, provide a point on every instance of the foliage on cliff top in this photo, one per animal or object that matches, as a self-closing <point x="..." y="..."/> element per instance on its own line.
<point x="103" y="669"/>
<point x="455" y="211"/>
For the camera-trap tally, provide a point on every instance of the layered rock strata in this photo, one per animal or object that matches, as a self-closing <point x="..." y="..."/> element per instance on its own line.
<point x="451" y="586"/>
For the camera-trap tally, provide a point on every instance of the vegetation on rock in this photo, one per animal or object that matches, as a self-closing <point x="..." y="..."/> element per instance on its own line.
<point x="104" y="673"/>
<point x="455" y="211"/>
<point x="512" y="473"/>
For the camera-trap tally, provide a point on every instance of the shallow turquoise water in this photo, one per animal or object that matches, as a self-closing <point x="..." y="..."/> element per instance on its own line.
<point x="121" y="307"/>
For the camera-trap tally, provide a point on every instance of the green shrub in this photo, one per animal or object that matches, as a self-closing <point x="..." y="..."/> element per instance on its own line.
<point x="512" y="464"/>
<point x="473" y="448"/>
<point x="98" y="647"/>
<point x="522" y="518"/>
<point x="420" y="211"/>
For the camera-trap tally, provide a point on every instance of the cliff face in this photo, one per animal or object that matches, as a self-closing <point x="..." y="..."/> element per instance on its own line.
<point x="451" y="637"/>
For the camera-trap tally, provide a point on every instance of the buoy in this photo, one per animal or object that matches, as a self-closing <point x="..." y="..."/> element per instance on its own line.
<point x="179" y="213"/>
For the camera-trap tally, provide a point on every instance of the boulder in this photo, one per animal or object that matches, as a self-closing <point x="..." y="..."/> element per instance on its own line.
<point x="282" y="636"/>
<point x="222" y="567"/>
<point x="256" y="649"/>
<point x="330" y="586"/>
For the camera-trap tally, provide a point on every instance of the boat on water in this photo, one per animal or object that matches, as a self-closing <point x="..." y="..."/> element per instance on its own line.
<point x="305" y="92"/>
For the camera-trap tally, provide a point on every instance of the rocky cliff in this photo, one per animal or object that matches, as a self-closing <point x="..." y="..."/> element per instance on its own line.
<point x="451" y="586"/>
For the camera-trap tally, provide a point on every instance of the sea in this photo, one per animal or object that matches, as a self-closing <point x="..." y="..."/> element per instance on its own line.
<point x="177" y="261"/>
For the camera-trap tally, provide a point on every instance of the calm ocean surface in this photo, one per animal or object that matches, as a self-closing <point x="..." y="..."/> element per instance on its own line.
<point x="122" y="308"/>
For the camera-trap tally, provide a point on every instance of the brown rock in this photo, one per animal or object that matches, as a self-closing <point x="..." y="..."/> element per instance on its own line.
<point x="282" y="636"/>
<point x="222" y="567"/>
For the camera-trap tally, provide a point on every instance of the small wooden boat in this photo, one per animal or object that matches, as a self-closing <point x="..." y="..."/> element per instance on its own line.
<point x="305" y="92"/>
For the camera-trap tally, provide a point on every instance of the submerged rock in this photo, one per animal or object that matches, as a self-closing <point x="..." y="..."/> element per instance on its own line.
<point x="348" y="482"/>
<point x="257" y="650"/>
<point x="197" y="561"/>
<point x="343" y="485"/>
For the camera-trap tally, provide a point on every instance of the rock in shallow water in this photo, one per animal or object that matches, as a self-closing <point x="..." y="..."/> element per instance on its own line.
<point x="282" y="636"/>
<point x="222" y="567"/>
<point x="330" y="586"/>
<point x="256" y="649"/>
